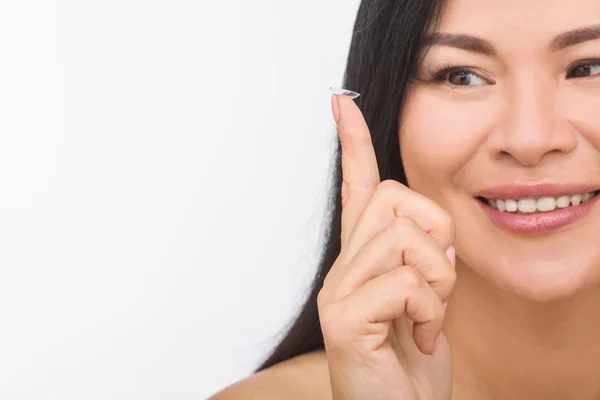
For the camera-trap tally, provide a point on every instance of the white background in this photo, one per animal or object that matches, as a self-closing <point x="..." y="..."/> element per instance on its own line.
<point x="163" y="175"/>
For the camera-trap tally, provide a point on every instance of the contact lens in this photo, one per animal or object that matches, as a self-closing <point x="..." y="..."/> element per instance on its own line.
<point x="344" y="92"/>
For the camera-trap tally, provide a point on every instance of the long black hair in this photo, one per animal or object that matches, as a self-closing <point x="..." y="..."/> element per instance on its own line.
<point x="387" y="41"/>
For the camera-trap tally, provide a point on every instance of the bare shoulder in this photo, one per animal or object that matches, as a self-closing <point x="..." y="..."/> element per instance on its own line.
<point x="302" y="377"/>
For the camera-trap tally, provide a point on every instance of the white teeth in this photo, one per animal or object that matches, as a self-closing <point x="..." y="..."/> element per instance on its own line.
<point x="563" y="202"/>
<point x="527" y="205"/>
<point x="501" y="205"/>
<point x="586" y="197"/>
<point x="511" y="205"/>
<point x="542" y="204"/>
<point x="546" y="204"/>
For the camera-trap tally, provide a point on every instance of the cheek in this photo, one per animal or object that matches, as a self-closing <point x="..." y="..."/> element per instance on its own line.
<point x="581" y="108"/>
<point x="440" y="135"/>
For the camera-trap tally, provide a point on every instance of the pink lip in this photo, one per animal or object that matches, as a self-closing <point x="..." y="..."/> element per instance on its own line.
<point x="537" y="190"/>
<point x="538" y="223"/>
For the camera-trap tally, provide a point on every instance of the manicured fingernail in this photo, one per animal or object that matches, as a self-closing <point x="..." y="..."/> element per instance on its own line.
<point x="451" y="254"/>
<point x="344" y="92"/>
<point x="335" y="107"/>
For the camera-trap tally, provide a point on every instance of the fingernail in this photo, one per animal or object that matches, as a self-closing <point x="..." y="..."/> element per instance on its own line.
<point x="335" y="106"/>
<point x="344" y="92"/>
<point x="445" y="305"/>
<point x="451" y="254"/>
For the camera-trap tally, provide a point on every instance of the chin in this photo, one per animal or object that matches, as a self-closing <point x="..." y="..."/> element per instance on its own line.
<point x="552" y="264"/>
<point x="544" y="280"/>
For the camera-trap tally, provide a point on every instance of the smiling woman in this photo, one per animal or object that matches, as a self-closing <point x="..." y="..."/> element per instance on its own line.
<point x="461" y="261"/>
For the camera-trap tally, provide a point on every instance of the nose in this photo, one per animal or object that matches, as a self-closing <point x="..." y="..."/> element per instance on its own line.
<point x="532" y="125"/>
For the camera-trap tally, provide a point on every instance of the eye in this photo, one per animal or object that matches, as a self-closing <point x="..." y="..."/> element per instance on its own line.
<point x="460" y="77"/>
<point x="585" y="69"/>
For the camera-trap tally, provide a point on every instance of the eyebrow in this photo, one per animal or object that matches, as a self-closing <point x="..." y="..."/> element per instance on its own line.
<point x="575" y="37"/>
<point x="482" y="46"/>
<point x="459" y="41"/>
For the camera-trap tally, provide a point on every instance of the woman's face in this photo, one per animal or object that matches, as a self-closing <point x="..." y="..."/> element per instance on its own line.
<point x="517" y="116"/>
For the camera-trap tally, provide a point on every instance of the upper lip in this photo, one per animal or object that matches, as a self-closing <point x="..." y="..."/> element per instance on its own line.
<point x="536" y="190"/>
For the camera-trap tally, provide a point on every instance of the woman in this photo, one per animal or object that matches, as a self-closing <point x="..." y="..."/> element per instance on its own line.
<point x="488" y="112"/>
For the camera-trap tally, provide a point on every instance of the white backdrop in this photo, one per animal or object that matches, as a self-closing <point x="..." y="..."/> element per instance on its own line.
<point x="163" y="173"/>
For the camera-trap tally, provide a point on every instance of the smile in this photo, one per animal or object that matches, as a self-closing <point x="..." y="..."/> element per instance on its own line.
<point x="538" y="209"/>
<point x="539" y="205"/>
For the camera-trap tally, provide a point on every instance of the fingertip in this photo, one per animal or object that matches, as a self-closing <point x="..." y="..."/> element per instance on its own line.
<point x="342" y="101"/>
<point x="344" y="92"/>
<point x="426" y="339"/>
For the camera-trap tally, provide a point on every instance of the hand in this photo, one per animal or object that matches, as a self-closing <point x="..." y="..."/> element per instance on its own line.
<point x="382" y="304"/>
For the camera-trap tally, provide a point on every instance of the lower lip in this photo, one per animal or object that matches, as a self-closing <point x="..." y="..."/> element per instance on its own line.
<point x="538" y="223"/>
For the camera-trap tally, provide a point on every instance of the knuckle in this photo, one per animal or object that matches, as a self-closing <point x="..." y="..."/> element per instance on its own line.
<point x="439" y="313"/>
<point x="445" y="285"/>
<point x="326" y="283"/>
<point x="451" y="278"/>
<point x="393" y="251"/>
<point x="389" y="187"/>
<point x="401" y="226"/>
<point x="322" y="298"/>
<point x="390" y="184"/>
<point x="445" y="223"/>
<point x="410" y="279"/>
<point x="429" y="311"/>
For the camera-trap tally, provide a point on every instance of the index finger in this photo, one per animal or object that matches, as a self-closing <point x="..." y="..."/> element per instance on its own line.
<point x="360" y="173"/>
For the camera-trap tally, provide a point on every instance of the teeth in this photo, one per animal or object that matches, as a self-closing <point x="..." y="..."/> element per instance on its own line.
<point x="586" y="197"/>
<point x="545" y="204"/>
<point x="527" y="205"/>
<point x="542" y="204"/>
<point x="501" y="205"/>
<point x="511" y="205"/>
<point x="563" y="202"/>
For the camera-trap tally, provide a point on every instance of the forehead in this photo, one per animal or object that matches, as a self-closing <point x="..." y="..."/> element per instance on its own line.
<point x="517" y="21"/>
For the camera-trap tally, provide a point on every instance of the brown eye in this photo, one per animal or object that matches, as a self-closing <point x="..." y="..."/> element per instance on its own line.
<point x="584" y="70"/>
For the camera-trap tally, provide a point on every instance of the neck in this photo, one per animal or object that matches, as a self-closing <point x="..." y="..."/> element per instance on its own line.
<point x="505" y="347"/>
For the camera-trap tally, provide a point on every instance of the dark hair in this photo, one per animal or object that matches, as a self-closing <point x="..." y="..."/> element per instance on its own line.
<point x="387" y="41"/>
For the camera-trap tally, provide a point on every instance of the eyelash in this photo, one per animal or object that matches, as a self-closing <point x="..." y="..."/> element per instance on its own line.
<point x="440" y="74"/>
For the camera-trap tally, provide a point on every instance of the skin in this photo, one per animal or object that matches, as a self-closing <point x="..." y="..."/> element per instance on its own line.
<point x="522" y="318"/>
<point x="529" y="305"/>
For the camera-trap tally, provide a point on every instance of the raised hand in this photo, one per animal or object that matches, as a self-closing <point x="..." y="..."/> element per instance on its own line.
<point x="383" y="302"/>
